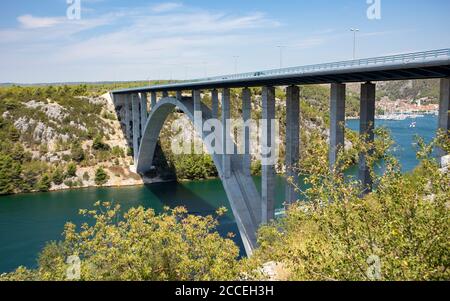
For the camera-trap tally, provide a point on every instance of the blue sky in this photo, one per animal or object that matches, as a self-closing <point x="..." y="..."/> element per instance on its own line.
<point x="139" y="40"/>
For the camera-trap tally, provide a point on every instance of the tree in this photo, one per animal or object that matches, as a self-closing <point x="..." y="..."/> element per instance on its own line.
<point x="58" y="176"/>
<point x="44" y="183"/>
<point x="10" y="171"/>
<point x="18" y="153"/>
<point x="140" y="246"/>
<point x="31" y="173"/>
<point x="77" y="152"/>
<point x="99" y="145"/>
<point x="194" y="167"/>
<point x="398" y="232"/>
<point x="14" y="134"/>
<point x="101" y="177"/>
<point x="118" y="152"/>
<point x="71" y="170"/>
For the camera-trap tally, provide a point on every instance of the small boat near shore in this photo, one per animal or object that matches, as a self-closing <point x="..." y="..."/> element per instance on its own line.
<point x="399" y="117"/>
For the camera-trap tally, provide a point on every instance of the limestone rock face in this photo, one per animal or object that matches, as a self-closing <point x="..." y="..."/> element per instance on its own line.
<point x="101" y="100"/>
<point x="40" y="132"/>
<point x="52" y="110"/>
<point x="23" y="124"/>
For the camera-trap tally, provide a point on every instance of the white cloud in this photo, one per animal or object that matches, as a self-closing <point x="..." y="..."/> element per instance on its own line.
<point x="137" y="43"/>
<point x="30" y="22"/>
<point x="166" y="7"/>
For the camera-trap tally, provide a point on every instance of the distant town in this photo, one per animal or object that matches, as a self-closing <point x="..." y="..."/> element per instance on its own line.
<point x="401" y="109"/>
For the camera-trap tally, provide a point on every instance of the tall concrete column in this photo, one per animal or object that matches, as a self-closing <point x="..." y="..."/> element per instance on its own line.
<point x="444" y="110"/>
<point x="144" y="112"/>
<point x="136" y="124"/>
<point x="215" y="103"/>
<point x="292" y="140"/>
<point x="197" y="101"/>
<point x="115" y="98"/>
<point x="198" y="120"/>
<point x="246" y="115"/>
<point x="180" y="95"/>
<point x="165" y="94"/>
<point x="154" y="99"/>
<point x="268" y="168"/>
<point x="337" y="121"/>
<point x="366" y="127"/>
<point x="118" y="100"/>
<point x="226" y="138"/>
<point x="128" y="115"/>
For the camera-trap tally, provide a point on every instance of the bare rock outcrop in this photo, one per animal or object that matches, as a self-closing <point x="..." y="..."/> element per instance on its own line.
<point x="52" y="110"/>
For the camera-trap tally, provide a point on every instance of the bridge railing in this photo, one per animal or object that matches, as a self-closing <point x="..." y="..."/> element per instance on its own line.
<point x="382" y="60"/>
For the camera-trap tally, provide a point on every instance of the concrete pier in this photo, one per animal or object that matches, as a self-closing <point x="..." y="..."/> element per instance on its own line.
<point x="444" y="110"/>
<point x="136" y="124"/>
<point x="226" y="138"/>
<point x="144" y="113"/>
<point x="165" y="94"/>
<point x="128" y="114"/>
<point x="337" y="121"/>
<point x="268" y="170"/>
<point x="215" y="103"/>
<point x="366" y="127"/>
<point x="247" y="116"/>
<point x="180" y="95"/>
<point x="153" y="100"/>
<point x="198" y="119"/>
<point x="292" y="141"/>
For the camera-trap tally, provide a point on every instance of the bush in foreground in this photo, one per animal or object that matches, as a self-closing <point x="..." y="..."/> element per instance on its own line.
<point x="399" y="232"/>
<point x="141" y="246"/>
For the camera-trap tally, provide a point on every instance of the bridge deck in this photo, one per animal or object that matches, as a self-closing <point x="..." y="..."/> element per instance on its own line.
<point x="419" y="65"/>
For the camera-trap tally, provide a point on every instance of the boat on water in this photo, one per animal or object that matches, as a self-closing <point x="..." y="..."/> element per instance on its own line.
<point x="396" y="117"/>
<point x="399" y="117"/>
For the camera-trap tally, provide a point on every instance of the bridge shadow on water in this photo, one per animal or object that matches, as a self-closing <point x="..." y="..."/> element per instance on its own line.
<point x="201" y="198"/>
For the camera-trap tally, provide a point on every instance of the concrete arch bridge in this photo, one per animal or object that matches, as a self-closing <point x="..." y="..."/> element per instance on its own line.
<point x="250" y="208"/>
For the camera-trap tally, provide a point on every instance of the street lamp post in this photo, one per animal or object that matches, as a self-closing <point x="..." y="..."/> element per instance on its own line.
<point x="354" y="30"/>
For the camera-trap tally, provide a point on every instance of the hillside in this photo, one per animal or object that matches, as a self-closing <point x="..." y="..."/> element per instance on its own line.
<point x="405" y="90"/>
<point x="60" y="137"/>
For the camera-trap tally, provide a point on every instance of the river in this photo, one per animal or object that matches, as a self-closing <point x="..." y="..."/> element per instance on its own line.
<point x="28" y="221"/>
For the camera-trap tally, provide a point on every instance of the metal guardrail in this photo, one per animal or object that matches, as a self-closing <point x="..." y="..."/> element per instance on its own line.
<point x="394" y="60"/>
<point x="382" y="60"/>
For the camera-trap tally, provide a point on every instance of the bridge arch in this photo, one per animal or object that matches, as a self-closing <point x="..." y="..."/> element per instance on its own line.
<point x="241" y="191"/>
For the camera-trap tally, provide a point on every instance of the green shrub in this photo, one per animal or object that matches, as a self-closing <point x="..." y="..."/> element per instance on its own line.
<point x="194" y="167"/>
<point x="44" y="184"/>
<point x="71" y="170"/>
<point x="398" y="232"/>
<point x="99" y="145"/>
<point x="77" y="152"/>
<point x="58" y="176"/>
<point x="101" y="177"/>
<point x="255" y="168"/>
<point x="139" y="246"/>
<point x="118" y="152"/>
<point x="10" y="171"/>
